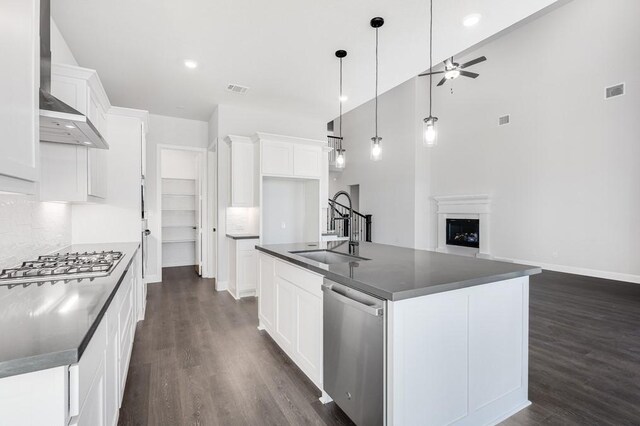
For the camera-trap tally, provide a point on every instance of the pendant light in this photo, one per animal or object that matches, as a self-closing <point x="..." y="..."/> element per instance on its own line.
<point x="376" y="148"/>
<point x="340" y="157"/>
<point x="429" y="131"/>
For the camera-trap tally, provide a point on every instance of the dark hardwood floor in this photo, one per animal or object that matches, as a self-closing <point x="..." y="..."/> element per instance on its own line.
<point x="198" y="359"/>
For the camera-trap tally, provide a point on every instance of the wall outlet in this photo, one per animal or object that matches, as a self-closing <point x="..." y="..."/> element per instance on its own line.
<point x="283" y="225"/>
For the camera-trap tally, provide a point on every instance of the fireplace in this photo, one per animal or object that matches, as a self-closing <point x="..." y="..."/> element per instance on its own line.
<point x="463" y="232"/>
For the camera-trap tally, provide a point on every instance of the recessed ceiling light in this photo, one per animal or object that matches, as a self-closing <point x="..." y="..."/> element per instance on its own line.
<point x="343" y="98"/>
<point x="69" y="126"/>
<point x="190" y="64"/>
<point x="87" y="143"/>
<point x="471" y="20"/>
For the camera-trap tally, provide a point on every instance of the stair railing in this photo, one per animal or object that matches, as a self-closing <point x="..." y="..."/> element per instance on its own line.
<point x="333" y="142"/>
<point x="361" y="222"/>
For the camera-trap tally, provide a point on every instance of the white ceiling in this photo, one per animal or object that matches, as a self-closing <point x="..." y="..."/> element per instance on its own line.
<point x="282" y="49"/>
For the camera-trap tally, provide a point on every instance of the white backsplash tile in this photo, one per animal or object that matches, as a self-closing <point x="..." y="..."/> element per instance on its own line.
<point x="30" y="228"/>
<point x="242" y="220"/>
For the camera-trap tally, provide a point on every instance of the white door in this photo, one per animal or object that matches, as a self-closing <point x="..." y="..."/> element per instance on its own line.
<point x="200" y="164"/>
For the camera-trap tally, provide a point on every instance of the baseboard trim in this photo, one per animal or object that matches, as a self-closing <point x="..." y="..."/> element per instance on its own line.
<point x="607" y="275"/>
<point x="152" y="279"/>
<point x="510" y="413"/>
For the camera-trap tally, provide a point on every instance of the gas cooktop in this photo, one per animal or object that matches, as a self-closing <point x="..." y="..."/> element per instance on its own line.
<point x="62" y="267"/>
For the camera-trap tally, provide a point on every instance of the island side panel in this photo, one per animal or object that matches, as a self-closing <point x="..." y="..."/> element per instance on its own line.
<point x="459" y="357"/>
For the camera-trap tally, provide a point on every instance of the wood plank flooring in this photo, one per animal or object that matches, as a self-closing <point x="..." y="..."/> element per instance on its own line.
<point x="198" y="359"/>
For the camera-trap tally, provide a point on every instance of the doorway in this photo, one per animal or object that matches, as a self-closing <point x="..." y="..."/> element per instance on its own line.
<point x="182" y="196"/>
<point x="354" y="192"/>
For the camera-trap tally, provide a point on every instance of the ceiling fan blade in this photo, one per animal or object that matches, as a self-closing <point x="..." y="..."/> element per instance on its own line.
<point x="469" y="74"/>
<point x="430" y="73"/>
<point x="444" y="79"/>
<point x="473" y="62"/>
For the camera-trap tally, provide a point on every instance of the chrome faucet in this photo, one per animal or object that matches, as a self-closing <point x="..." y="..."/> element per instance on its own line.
<point x="352" y="241"/>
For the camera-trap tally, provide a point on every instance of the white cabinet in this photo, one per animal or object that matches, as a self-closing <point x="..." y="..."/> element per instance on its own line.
<point x="266" y="291"/>
<point x="277" y="158"/>
<point x="290" y="310"/>
<point x="307" y="161"/>
<point x="243" y="267"/>
<point x="243" y="172"/>
<point x="69" y="172"/>
<point x="290" y="157"/>
<point x="19" y="83"/>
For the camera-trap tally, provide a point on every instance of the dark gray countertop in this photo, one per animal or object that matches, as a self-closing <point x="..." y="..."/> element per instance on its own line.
<point x="243" y="236"/>
<point x="51" y="325"/>
<point x="396" y="273"/>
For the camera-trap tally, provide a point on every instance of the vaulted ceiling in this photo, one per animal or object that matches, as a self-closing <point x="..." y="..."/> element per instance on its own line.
<point x="282" y="49"/>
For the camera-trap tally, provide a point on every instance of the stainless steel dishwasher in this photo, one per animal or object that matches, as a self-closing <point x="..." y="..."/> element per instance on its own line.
<point x="354" y="344"/>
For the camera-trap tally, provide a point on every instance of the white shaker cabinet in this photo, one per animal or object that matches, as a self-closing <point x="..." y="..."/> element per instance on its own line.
<point x="243" y="265"/>
<point x="307" y="161"/>
<point x="290" y="310"/>
<point x="277" y="158"/>
<point x="19" y="85"/>
<point x="244" y="173"/>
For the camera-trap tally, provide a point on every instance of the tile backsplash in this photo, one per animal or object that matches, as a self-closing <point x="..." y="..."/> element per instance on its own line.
<point x="30" y="228"/>
<point x="242" y="220"/>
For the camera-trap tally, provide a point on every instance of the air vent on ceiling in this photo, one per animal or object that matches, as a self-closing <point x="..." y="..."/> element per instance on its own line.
<point x="236" y="88"/>
<point x="613" y="91"/>
<point x="503" y="120"/>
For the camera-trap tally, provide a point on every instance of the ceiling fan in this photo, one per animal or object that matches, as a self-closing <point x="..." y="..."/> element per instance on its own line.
<point x="454" y="70"/>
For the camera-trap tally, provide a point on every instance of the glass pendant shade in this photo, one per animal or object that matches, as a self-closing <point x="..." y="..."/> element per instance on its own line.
<point x="340" y="159"/>
<point x="429" y="131"/>
<point x="376" y="149"/>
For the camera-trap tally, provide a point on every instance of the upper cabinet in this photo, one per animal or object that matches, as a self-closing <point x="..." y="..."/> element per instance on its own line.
<point x="76" y="173"/>
<point x="19" y="84"/>
<point x="286" y="156"/>
<point x="244" y="174"/>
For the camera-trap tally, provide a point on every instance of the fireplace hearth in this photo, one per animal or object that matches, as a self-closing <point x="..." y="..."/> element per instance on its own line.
<point x="463" y="232"/>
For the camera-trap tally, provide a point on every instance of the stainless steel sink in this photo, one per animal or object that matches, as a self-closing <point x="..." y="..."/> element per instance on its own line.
<point x="328" y="257"/>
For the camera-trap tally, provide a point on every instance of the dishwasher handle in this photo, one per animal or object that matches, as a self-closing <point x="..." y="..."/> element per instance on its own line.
<point x="332" y="290"/>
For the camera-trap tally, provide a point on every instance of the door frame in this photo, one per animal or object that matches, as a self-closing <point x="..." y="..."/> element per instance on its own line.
<point x="202" y="153"/>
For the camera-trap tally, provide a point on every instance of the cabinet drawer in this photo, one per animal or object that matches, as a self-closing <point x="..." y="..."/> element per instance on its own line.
<point x="304" y="279"/>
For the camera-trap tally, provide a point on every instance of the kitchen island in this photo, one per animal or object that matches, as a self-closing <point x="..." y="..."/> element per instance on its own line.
<point x="455" y="328"/>
<point x="65" y="344"/>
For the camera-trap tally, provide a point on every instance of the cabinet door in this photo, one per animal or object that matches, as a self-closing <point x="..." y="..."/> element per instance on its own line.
<point x="247" y="272"/>
<point x="19" y="132"/>
<point x="308" y="342"/>
<point x="267" y="292"/>
<point x="277" y="158"/>
<point x="97" y="173"/>
<point x="242" y="174"/>
<point x="307" y="161"/>
<point x="285" y="330"/>
<point x="93" y="411"/>
<point x="112" y="391"/>
<point x="64" y="172"/>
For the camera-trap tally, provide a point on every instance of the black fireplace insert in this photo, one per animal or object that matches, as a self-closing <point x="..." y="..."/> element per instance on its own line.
<point x="463" y="232"/>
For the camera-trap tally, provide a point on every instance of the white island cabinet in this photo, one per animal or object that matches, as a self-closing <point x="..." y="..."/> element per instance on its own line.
<point x="290" y="310"/>
<point x="455" y="352"/>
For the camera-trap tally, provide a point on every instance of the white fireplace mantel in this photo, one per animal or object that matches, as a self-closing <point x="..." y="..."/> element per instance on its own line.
<point x="464" y="207"/>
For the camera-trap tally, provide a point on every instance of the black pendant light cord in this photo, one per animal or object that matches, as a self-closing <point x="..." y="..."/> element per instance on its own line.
<point x="430" y="52"/>
<point x="376" y="84"/>
<point x="340" y="100"/>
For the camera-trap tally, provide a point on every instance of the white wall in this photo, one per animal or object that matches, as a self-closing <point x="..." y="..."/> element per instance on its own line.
<point x="387" y="187"/>
<point x="29" y="229"/>
<point x="168" y="131"/>
<point x="60" y="52"/>
<point x="563" y="176"/>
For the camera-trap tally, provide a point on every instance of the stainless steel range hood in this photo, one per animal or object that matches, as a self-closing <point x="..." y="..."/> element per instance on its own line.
<point x="59" y="122"/>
